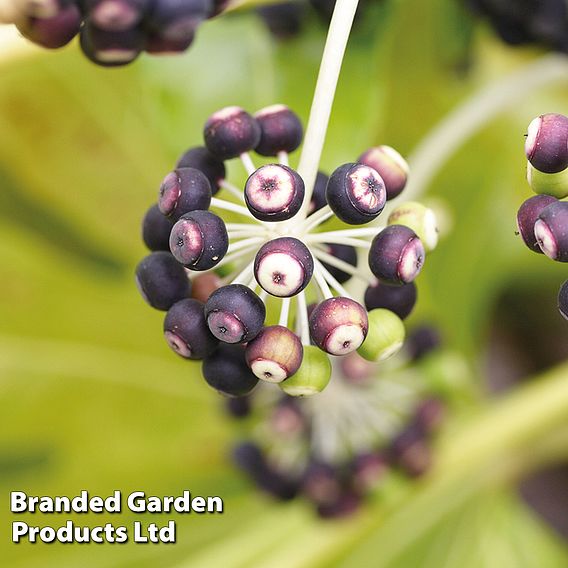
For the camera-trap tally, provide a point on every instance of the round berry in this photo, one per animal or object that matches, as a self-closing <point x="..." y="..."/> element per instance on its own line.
<point x="548" y="184"/>
<point x="312" y="376"/>
<point x="201" y="159"/>
<point x="347" y="254"/>
<point x="280" y="130"/>
<point x="156" y="44"/>
<point x="274" y="193"/>
<point x="182" y="191"/>
<point x="55" y="31"/>
<point x="527" y="216"/>
<point x="161" y="280"/>
<point x="230" y="132"/>
<point x="238" y="407"/>
<point x="546" y="145"/>
<point x="551" y="231"/>
<point x="199" y="240"/>
<point x="285" y="20"/>
<point x="227" y="371"/>
<point x="274" y="354"/>
<point x="319" y="199"/>
<point x="115" y="15"/>
<point x="356" y="193"/>
<point x="385" y="337"/>
<point x="203" y="285"/>
<point x="176" y="20"/>
<point x="111" y="49"/>
<point x="563" y="299"/>
<point x="338" y="325"/>
<point x="156" y="229"/>
<point x="397" y="299"/>
<point x="420" y="219"/>
<point x="396" y="255"/>
<point x="283" y="267"/>
<point x="186" y="331"/>
<point x="235" y="314"/>
<point x="390" y="165"/>
<point x="422" y="341"/>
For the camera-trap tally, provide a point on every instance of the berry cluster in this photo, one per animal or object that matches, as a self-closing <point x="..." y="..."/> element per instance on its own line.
<point x="281" y="252"/>
<point x="112" y="32"/>
<point x="542" y="220"/>
<point x="337" y="450"/>
<point x="520" y="22"/>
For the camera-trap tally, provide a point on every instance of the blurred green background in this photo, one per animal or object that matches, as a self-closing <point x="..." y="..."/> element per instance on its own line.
<point x="92" y="398"/>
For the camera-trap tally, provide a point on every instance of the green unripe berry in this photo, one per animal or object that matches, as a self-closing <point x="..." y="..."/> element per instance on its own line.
<point x="549" y="184"/>
<point x="312" y="376"/>
<point x="420" y="219"/>
<point x="385" y="336"/>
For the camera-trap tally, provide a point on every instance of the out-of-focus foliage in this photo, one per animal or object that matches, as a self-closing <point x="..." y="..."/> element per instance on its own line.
<point x="91" y="397"/>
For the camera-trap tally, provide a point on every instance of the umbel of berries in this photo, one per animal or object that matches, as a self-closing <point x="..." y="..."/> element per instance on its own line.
<point x="542" y="220"/>
<point x="265" y="294"/>
<point x="112" y="32"/>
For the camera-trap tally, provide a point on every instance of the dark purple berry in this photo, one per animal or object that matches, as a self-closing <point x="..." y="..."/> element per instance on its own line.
<point x="527" y="217"/>
<point x="177" y="20"/>
<point x="238" y="407"/>
<point x="115" y="15"/>
<point x="55" y="31"/>
<point x="235" y="314"/>
<point x="199" y="240"/>
<point x="280" y="130"/>
<point x="227" y="371"/>
<point x="201" y="159"/>
<point x="156" y="229"/>
<point x="551" y="231"/>
<point x="422" y="341"/>
<point x="159" y="45"/>
<point x="274" y="193"/>
<point x="111" y="49"/>
<point x="274" y="354"/>
<point x="563" y="299"/>
<point x="356" y="193"/>
<point x="186" y="331"/>
<point x="347" y="254"/>
<point x="390" y="165"/>
<point x="283" y="20"/>
<point x="230" y="132"/>
<point x="319" y="199"/>
<point x="397" y="299"/>
<point x="396" y="255"/>
<point x="161" y="280"/>
<point x="249" y="457"/>
<point x="283" y="267"/>
<point x="182" y="191"/>
<point x="546" y="145"/>
<point x="339" y="325"/>
<point x="203" y="285"/>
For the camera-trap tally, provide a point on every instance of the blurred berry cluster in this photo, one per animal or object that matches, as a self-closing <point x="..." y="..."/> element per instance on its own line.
<point x="112" y="32"/>
<point x="542" y="220"/>
<point x="519" y="22"/>
<point x="228" y="287"/>
<point x="369" y="425"/>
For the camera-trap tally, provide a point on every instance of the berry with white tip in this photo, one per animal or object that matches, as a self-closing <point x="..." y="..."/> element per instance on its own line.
<point x="551" y="231"/>
<point x="420" y="219"/>
<point x="111" y="49"/>
<point x="390" y="165"/>
<point x="546" y="145"/>
<point x="527" y="216"/>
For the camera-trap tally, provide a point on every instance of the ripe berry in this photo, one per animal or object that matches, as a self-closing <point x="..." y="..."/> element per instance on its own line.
<point x="396" y="255"/>
<point x="346" y="253"/>
<point x="201" y="159"/>
<point x="111" y="49"/>
<point x="527" y="217"/>
<point x="177" y="20"/>
<point x="235" y="314"/>
<point x="312" y="376"/>
<point x="283" y="267"/>
<point x="227" y="371"/>
<point x="199" y="240"/>
<point x="280" y="130"/>
<point x="115" y="15"/>
<point x="397" y="299"/>
<point x="230" y="132"/>
<point x="385" y="336"/>
<point x="338" y="325"/>
<point x="156" y="229"/>
<point x="186" y="331"/>
<point x="390" y="165"/>
<point x="274" y="354"/>
<point x="420" y="219"/>
<point x="54" y="31"/>
<point x="182" y="191"/>
<point x="283" y="20"/>
<point x="238" y="407"/>
<point x="319" y="199"/>
<point x="203" y="285"/>
<point x="161" y="280"/>
<point x="274" y="193"/>
<point x="356" y="193"/>
<point x="546" y="145"/>
<point x="551" y="231"/>
<point x="563" y="299"/>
